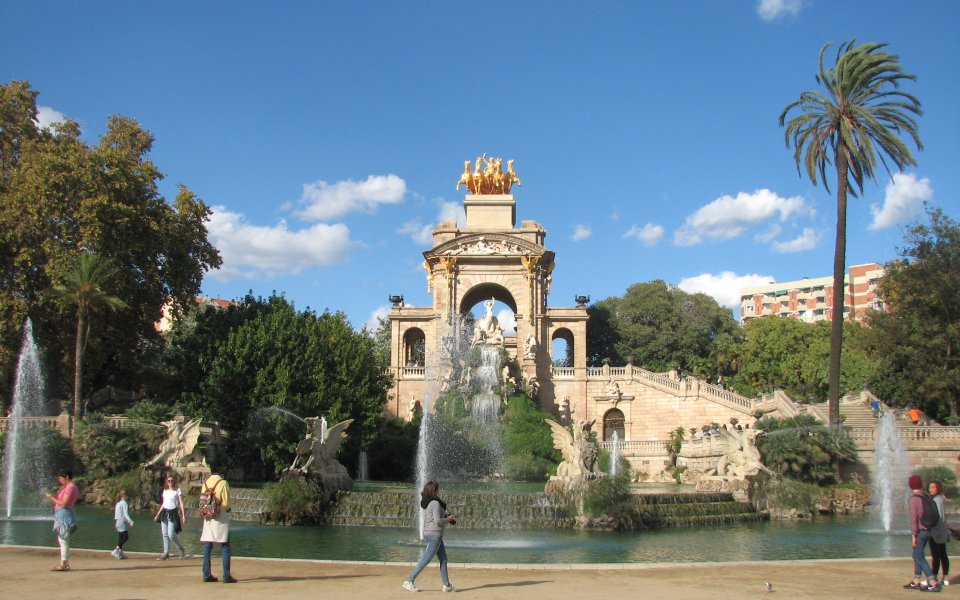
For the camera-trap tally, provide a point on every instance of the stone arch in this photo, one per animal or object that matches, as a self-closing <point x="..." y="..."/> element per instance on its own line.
<point x="485" y="291"/>
<point x="613" y="420"/>
<point x="568" y="338"/>
<point x="414" y="347"/>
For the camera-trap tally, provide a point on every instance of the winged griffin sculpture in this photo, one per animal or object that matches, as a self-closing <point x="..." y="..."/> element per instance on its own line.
<point x="579" y="453"/>
<point x="317" y="451"/>
<point x="180" y="447"/>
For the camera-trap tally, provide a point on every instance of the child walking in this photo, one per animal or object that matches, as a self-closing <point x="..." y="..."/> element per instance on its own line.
<point x="121" y="516"/>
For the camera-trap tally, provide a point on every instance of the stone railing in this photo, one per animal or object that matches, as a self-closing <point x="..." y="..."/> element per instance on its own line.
<point x="562" y="372"/>
<point x="638" y="448"/>
<point x="59" y="423"/>
<point x="64" y="422"/>
<point x="414" y="372"/>
<point x="911" y="434"/>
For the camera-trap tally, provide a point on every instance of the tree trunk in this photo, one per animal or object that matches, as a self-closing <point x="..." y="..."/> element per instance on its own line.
<point x="839" y="292"/>
<point x="78" y="369"/>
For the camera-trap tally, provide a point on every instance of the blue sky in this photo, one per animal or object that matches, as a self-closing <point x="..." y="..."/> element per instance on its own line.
<point x="328" y="136"/>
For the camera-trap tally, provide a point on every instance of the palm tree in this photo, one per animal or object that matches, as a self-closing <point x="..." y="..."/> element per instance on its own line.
<point x="83" y="287"/>
<point x="860" y="116"/>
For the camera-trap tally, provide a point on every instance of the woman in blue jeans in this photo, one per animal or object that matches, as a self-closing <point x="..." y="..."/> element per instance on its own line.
<point x="435" y="519"/>
<point x="171" y="518"/>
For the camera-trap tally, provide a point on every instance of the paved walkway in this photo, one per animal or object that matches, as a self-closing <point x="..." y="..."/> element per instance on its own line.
<point x="96" y="574"/>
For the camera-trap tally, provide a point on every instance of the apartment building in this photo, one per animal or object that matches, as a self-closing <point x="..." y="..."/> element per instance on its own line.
<point x="812" y="299"/>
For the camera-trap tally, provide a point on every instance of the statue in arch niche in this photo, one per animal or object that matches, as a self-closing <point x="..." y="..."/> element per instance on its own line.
<point x="487" y="330"/>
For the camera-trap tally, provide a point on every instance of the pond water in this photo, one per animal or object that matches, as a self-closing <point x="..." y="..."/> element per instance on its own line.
<point x="834" y="537"/>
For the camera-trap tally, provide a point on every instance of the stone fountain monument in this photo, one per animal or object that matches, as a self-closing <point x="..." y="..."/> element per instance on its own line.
<point x="180" y="453"/>
<point x="317" y="457"/>
<point x="580" y="462"/>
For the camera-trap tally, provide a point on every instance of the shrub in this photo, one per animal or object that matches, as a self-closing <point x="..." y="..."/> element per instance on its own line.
<point x="527" y="440"/>
<point x="293" y="500"/>
<point x="392" y="452"/>
<point x="944" y="475"/>
<point x="611" y="497"/>
<point x="783" y="494"/>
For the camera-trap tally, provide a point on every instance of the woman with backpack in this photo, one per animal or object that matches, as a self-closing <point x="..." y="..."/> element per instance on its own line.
<point x="923" y="578"/>
<point x="939" y="534"/>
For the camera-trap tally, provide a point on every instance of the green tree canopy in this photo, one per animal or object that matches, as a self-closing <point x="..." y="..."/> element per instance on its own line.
<point x="60" y="197"/>
<point x="252" y="370"/>
<point x="916" y="344"/>
<point x="794" y="356"/>
<point x="658" y="327"/>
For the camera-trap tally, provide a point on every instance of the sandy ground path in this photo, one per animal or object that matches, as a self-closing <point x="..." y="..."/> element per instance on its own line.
<point x="26" y="575"/>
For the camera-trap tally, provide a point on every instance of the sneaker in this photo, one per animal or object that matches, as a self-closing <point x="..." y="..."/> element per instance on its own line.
<point x="945" y="581"/>
<point x="210" y="579"/>
<point x="115" y="553"/>
<point x="448" y="588"/>
<point x="408" y="585"/>
<point x="228" y="579"/>
<point x="183" y="554"/>
<point x="931" y="588"/>
<point x="163" y="557"/>
<point x="122" y="556"/>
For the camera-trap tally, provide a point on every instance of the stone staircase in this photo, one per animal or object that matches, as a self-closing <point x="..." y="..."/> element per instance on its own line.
<point x="474" y="510"/>
<point x="478" y="510"/>
<point x="660" y="511"/>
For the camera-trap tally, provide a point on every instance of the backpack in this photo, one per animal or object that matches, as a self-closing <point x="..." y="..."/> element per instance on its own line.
<point x="931" y="514"/>
<point x="209" y="507"/>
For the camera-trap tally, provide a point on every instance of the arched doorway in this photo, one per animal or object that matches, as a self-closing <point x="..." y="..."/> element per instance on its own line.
<point x="613" y="421"/>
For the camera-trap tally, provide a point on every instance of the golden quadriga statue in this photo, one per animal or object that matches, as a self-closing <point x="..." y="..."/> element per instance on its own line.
<point x="487" y="176"/>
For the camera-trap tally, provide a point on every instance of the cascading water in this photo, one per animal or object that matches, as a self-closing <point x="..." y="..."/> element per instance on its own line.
<point x="460" y="428"/>
<point x="890" y="469"/>
<point x="614" y="454"/>
<point x="27" y="463"/>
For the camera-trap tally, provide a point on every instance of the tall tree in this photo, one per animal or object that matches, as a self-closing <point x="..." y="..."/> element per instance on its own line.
<point x="917" y="343"/>
<point x="84" y="288"/>
<point x="60" y="196"/>
<point x="860" y="116"/>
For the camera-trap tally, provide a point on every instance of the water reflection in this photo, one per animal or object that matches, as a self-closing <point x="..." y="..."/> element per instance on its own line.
<point x="838" y="537"/>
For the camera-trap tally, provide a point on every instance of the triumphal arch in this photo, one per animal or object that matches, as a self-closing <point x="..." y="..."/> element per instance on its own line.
<point x="489" y="259"/>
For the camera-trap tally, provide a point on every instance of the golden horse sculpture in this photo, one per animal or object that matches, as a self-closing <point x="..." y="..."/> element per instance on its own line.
<point x="487" y="176"/>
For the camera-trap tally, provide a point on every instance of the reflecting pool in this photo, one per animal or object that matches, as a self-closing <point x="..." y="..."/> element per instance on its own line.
<point x="834" y="537"/>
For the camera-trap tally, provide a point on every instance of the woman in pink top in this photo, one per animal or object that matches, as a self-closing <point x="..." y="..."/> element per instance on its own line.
<point x="64" y="519"/>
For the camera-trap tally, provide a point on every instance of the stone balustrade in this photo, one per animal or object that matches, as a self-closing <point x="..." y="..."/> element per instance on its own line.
<point x="638" y="448"/>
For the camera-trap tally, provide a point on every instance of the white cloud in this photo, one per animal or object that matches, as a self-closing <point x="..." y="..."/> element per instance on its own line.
<point x="324" y="201"/>
<point x="422" y="234"/>
<point x="649" y="234"/>
<point x="46" y="117"/>
<point x="580" y="232"/>
<point x="770" y="10"/>
<point x="769" y="235"/>
<point x="904" y="200"/>
<point x="805" y="241"/>
<point x="615" y="215"/>
<point x="508" y="321"/>
<point x="250" y="251"/>
<point x="452" y="211"/>
<point x="724" y="288"/>
<point x="728" y="217"/>
<point x="373" y="323"/>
